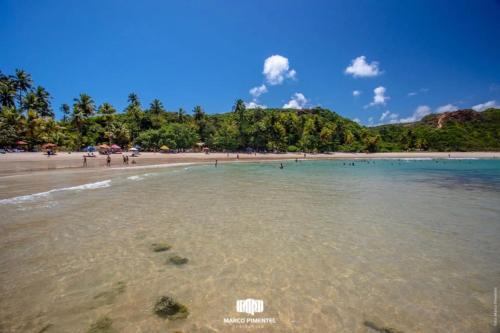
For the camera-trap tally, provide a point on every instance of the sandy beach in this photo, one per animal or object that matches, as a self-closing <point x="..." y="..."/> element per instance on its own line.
<point x="16" y="163"/>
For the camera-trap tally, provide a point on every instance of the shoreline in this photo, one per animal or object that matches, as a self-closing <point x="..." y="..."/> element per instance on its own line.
<point x="12" y="164"/>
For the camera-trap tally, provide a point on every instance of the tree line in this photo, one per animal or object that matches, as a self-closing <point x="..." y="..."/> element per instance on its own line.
<point x="27" y="115"/>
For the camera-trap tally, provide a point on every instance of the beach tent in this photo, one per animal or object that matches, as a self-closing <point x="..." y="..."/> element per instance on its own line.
<point x="21" y="145"/>
<point x="104" y="149"/>
<point x="49" y="148"/>
<point x="115" y="149"/>
<point x="199" y="146"/>
<point x="164" y="149"/>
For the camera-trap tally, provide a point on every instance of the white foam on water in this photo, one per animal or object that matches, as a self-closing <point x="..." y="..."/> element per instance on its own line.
<point x="35" y="196"/>
<point x="463" y="158"/>
<point x="136" y="177"/>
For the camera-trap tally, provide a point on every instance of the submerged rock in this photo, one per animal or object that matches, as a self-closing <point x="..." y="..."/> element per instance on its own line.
<point x="108" y="296"/>
<point x="160" y="247"/>
<point x="102" y="325"/>
<point x="45" y="328"/>
<point x="168" y="307"/>
<point x="380" y="328"/>
<point x="177" y="260"/>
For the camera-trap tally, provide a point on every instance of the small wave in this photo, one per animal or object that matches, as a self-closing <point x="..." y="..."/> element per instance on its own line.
<point x="136" y="177"/>
<point x="35" y="196"/>
<point x="463" y="158"/>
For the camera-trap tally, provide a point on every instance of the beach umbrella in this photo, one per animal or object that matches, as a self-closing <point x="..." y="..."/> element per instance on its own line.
<point x="115" y="146"/>
<point x="21" y="143"/>
<point x="90" y="149"/>
<point x="164" y="148"/>
<point x="134" y="149"/>
<point x="49" y="145"/>
<point x="104" y="146"/>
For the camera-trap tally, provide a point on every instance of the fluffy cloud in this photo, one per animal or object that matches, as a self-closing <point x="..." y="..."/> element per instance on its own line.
<point x="298" y="101"/>
<point x="277" y="69"/>
<point x="356" y="120"/>
<point x="419" y="113"/>
<point x="356" y="93"/>
<point x="379" y="97"/>
<point x="254" y="105"/>
<point x="360" y="68"/>
<point x="485" y="106"/>
<point x="446" y="108"/>
<point x="257" y="91"/>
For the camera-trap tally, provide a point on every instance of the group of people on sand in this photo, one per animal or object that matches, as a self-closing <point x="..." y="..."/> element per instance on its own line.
<point x="108" y="160"/>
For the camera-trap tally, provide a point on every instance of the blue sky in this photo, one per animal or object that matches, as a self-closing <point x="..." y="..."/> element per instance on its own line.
<point x="419" y="55"/>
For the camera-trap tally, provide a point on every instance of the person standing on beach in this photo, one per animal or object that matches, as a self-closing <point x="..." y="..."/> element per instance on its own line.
<point x="281" y="165"/>
<point x="84" y="161"/>
<point x="237" y="156"/>
<point x="216" y="163"/>
<point x="108" y="161"/>
<point x="124" y="159"/>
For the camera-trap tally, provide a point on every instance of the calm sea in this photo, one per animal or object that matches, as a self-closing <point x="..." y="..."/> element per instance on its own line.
<point x="328" y="246"/>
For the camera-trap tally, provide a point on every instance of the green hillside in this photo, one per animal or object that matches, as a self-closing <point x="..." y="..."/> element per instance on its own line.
<point x="463" y="130"/>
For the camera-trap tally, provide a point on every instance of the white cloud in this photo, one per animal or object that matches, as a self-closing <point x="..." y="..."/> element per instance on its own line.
<point x="384" y="115"/>
<point x="390" y="117"/>
<point x="257" y="91"/>
<point x="356" y="120"/>
<point x="379" y="97"/>
<point x="485" y="106"/>
<point x="298" y="101"/>
<point x="254" y="105"/>
<point x="356" y="93"/>
<point x="360" y="68"/>
<point x="421" y="90"/>
<point x="419" y="113"/>
<point x="447" y="108"/>
<point x="277" y="69"/>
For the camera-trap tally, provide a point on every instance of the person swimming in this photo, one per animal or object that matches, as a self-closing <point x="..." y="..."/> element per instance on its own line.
<point x="281" y="165"/>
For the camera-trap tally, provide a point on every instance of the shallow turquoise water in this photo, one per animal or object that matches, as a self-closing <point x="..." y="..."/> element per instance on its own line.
<point x="408" y="244"/>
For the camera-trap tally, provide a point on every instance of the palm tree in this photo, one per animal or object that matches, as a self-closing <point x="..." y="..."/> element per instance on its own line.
<point x="84" y="104"/>
<point x="23" y="83"/>
<point x="181" y="115"/>
<point x="7" y="92"/>
<point x="43" y="102"/>
<point x="108" y="112"/>
<point x="65" y="109"/>
<point x="198" y="112"/>
<point x="29" y="102"/>
<point x="133" y="100"/>
<point x="156" y="107"/>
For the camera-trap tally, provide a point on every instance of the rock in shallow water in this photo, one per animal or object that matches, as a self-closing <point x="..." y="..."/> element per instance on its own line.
<point x="102" y="325"/>
<point x="177" y="260"/>
<point x="160" y="247"/>
<point x="377" y="327"/>
<point x="168" y="307"/>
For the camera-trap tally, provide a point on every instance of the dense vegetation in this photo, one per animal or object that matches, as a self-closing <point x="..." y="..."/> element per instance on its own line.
<point x="464" y="130"/>
<point x="27" y="115"/>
